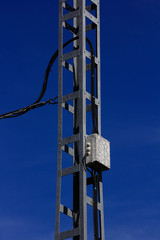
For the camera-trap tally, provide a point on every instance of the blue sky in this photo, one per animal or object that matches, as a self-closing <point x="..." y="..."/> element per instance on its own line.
<point x="130" y="58"/>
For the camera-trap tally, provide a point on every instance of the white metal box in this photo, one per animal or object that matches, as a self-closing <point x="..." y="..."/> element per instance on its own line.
<point x="97" y="152"/>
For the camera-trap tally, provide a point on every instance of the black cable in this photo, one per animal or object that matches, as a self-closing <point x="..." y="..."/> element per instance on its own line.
<point x="95" y="207"/>
<point x="93" y="105"/>
<point x="38" y="104"/>
<point x="51" y="62"/>
<point x="24" y="110"/>
<point x="95" y="181"/>
<point x="95" y="178"/>
<point x="95" y="130"/>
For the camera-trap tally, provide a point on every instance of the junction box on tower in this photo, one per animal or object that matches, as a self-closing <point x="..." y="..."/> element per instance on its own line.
<point x="97" y="152"/>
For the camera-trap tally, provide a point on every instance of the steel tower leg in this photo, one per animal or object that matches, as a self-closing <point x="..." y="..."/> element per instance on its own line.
<point x="80" y="19"/>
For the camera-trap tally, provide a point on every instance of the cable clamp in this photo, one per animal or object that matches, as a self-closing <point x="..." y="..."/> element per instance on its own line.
<point x="52" y="101"/>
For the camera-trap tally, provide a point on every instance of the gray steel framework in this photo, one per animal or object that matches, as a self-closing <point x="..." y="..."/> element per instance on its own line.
<point x="78" y="17"/>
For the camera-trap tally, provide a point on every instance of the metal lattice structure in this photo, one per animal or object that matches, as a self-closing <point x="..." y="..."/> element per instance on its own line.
<point x="80" y="18"/>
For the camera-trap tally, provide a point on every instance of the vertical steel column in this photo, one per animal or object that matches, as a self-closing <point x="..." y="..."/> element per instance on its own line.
<point x="59" y="154"/>
<point x="78" y="17"/>
<point x="82" y="119"/>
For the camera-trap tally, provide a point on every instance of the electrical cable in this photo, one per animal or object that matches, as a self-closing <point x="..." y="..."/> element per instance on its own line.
<point x="24" y="110"/>
<point x="94" y="130"/>
<point x="38" y="104"/>
<point x="93" y="105"/>
<point x="51" y="62"/>
<point x="95" y="179"/>
<point x="95" y="207"/>
<point x="21" y="111"/>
